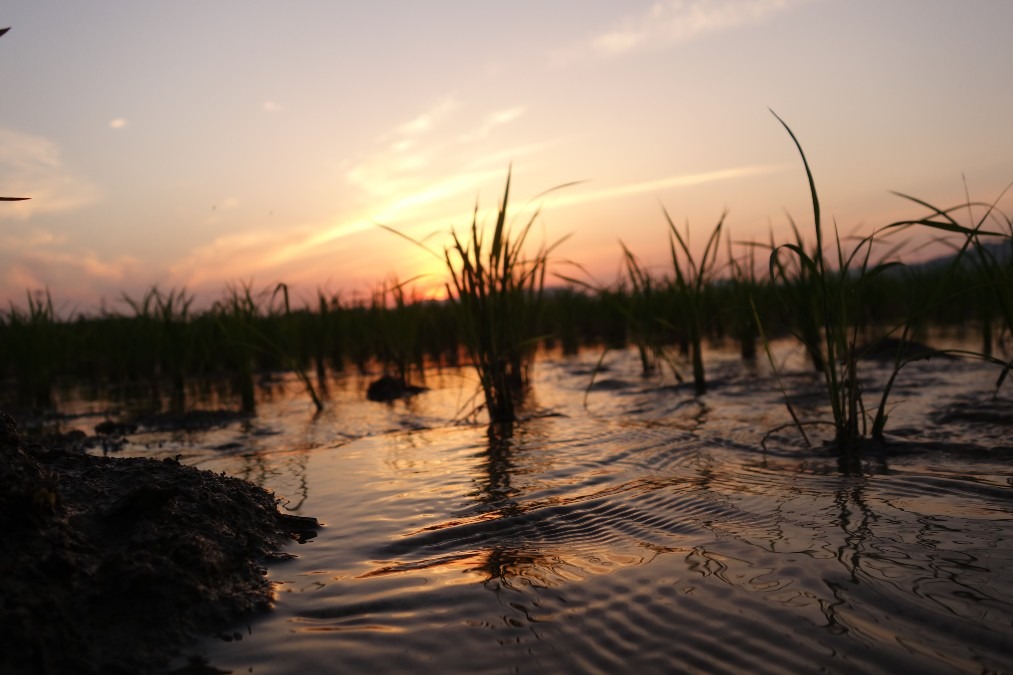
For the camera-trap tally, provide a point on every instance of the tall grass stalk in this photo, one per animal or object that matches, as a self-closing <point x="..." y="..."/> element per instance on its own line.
<point x="829" y="296"/>
<point x="285" y="347"/>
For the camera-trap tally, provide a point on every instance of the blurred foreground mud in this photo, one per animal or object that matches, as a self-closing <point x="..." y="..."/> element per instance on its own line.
<point x="112" y="565"/>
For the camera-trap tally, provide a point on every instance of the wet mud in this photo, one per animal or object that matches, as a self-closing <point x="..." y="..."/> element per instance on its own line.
<point x="114" y="565"/>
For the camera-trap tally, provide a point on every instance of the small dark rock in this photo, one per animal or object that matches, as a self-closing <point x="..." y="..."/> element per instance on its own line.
<point x="390" y="388"/>
<point x="111" y="428"/>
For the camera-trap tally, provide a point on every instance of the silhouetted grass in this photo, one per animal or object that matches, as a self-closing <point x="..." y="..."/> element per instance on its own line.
<point x="824" y="297"/>
<point x="162" y="333"/>
<point x="496" y="292"/>
<point x="835" y="295"/>
<point x="31" y="344"/>
<point x="690" y="284"/>
<point x="980" y="273"/>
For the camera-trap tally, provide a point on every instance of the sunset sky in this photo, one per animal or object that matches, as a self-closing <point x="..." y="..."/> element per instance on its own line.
<point x="192" y="143"/>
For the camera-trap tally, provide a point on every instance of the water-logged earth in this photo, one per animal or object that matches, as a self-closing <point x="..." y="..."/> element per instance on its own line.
<point x="639" y="530"/>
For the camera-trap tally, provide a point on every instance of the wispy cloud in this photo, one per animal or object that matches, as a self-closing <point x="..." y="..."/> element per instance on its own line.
<point x="82" y="276"/>
<point x="496" y="119"/>
<point x="427" y="120"/>
<point x="271" y="106"/>
<point x="15" y="241"/>
<point x="444" y="189"/>
<point x="418" y="172"/>
<point x="654" y="186"/>
<point x="670" y="22"/>
<point x="32" y="166"/>
<point x="227" y="257"/>
<point x="425" y="160"/>
<point x="404" y="151"/>
<point x="118" y="123"/>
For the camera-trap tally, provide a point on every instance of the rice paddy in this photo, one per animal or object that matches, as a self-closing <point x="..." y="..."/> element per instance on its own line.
<point x="578" y="476"/>
<point x="505" y="306"/>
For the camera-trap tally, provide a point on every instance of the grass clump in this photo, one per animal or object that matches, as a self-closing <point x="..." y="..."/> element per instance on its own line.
<point x="497" y="294"/>
<point x="30" y="342"/>
<point x="642" y="303"/>
<point x="980" y="273"/>
<point x="830" y="324"/>
<point x="398" y="315"/>
<point x="162" y="320"/>
<point x="236" y="314"/>
<point x="672" y="309"/>
<point x="690" y="284"/>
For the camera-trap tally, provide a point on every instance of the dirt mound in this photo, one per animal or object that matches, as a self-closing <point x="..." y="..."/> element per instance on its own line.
<point x="111" y="565"/>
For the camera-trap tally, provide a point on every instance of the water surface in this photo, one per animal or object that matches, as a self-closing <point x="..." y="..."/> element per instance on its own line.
<point x="629" y="528"/>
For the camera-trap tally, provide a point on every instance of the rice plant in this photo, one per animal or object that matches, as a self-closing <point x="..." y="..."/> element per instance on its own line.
<point x="690" y="284"/>
<point x="497" y="295"/>
<point x="399" y="321"/>
<point x="29" y="340"/>
<point x="996" y="264"/>
<point x="236" y="314"/>
<point x="743" y="291"/>
<point x="163" y="319"/>
<point x="828" y="296"/>
<point x="643" y="305"/>
<point x="990" y="254"/>
<point x="675" y="308"/>
<point x="285" y="347"/>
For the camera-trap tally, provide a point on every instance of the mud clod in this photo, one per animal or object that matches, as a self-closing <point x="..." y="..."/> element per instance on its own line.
<point x="112" y="565"/>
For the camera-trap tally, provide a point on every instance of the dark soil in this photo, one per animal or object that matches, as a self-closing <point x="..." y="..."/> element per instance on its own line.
<point x="113" y="565"/>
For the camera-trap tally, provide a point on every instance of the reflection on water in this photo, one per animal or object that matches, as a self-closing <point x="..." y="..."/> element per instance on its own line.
<point x="646" y="531"/>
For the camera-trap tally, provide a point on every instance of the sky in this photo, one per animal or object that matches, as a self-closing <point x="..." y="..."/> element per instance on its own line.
<point x="194" y="144"/>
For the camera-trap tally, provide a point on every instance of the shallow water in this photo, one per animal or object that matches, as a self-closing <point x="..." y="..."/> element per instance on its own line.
<point x="641" y="530"/>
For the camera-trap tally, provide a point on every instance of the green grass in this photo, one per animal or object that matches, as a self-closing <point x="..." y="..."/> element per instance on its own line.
<point x="824" y="295"/>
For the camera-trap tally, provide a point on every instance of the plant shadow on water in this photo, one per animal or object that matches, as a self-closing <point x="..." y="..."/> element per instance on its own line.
<point x="638" y="540"/>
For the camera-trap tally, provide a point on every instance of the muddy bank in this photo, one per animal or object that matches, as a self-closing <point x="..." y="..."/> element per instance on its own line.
<point x="113" y="565"/>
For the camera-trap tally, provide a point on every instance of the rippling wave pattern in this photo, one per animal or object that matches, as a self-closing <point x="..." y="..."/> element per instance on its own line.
<point x="651" y="539"/>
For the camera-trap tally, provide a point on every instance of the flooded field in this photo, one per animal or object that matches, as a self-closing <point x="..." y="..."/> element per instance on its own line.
<point x="629" y="528"/>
